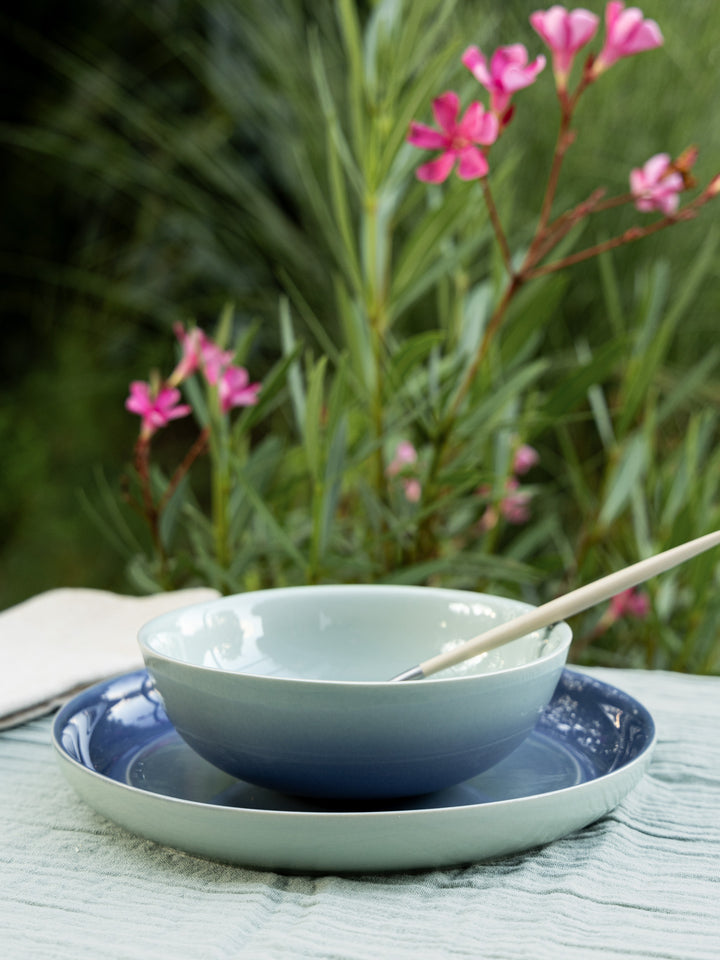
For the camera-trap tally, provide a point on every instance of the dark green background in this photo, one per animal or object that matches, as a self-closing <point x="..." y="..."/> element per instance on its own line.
<point x="98" y="259"/>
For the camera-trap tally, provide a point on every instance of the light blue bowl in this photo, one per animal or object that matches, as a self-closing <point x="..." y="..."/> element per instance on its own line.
<point x="289" y="689"/>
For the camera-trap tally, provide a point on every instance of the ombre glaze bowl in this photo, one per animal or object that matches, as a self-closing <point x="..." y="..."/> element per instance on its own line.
<point x="291" y="689"/>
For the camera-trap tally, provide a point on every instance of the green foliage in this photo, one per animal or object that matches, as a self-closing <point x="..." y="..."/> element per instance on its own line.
<point x="256" y="152"/>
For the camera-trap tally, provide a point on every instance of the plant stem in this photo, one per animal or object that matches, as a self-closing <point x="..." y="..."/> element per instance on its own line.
<point x="376" y="308"/>
<point x="196" y="450"/>
<point x="151" y="511"/>
<point x="628" y="236"/>
<point x="493" y="325"/>
<point x="220" y="497"/>
<point x="445" y="429"/>
<point x="497" y="225"/>
<point x="219" y="446"/>
<point x="313" y="565"/>
<point x="564" y="140"/>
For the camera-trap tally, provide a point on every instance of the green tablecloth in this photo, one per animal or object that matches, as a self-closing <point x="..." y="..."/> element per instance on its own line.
<point x="643" y="882"/>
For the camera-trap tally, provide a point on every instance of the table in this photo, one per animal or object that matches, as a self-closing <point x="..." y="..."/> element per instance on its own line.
<point x="643" y="882"/>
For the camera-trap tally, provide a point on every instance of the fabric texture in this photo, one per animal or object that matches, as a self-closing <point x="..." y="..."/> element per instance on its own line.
<point x="62" y="640"/>
<point x="644" y="882"/>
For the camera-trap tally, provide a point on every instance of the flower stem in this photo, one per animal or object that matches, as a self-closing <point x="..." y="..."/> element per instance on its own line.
<point x="497" y="225"/>
<point x="150" y="509"/>
<point x="564" y="140"/>
<point x="445" y="429"/>
<point x="628" y="236"/>
<point x="196" y="450"/>
<point x="219" y="447"/>
<point x="491" y="329"/>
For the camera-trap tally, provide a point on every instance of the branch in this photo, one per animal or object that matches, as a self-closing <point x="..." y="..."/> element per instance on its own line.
<point x="629" y="236"/>
<point x="196" y="450"/>
<point x="497" y="226"/>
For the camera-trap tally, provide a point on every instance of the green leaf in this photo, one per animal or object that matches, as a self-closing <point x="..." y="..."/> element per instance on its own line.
<point x="312" y="430"/>
<point x="624" y="479"/>
<point x="689" y="384"/>
<point x="412" y="352"/>
<point x="332" y="485"/>
<point x="655" y="337"/>
<point x="488" y="412"/>
<point x="596" y="399"/>
<point x="350" y="28"/>
<point x="611" y="291"/>
<point x="294" y="376"/>
<point x="356" y="334"/>
<point x="265" y="515"/>
<point x="420" y="251"/>
<point x="170" y="517"/>
<point x="573" y="389"/>
<point x="109" y="518"/>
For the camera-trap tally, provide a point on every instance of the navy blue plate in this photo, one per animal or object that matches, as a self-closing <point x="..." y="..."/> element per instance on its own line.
<point x="119" y="751"/>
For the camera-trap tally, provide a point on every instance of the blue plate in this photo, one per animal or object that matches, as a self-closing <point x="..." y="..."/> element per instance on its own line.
<point x="117" y="748"/>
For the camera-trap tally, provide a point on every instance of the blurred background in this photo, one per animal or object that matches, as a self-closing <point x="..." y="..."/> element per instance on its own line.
<point x="148" y="178"/>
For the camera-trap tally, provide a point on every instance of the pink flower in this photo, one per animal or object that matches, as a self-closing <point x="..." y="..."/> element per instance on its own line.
<point x="515" y="507"/>
<point x="629" y="603"/>
<point x="156" y="410"/>
<point x="214" y="360"/>
<point x="509" y="71"/>
<point x="565" y="32"/>
<point x="191" y="343"/>
<point x="626" y="33"/>
<point x="657" y="185"/>
<point x="405" y="455"/>
<point x="413" y="490"/>
<point x="200" y="352"/>
<point x="235" y="390"/>
<point x="526" y="457"/>
<point x="456" y="140"/>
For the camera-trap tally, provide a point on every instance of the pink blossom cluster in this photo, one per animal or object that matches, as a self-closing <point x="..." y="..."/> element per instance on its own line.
<point x="158" y="404"/>
<point x="629" y="603"/>
<point x="514" y="507"/>
<point x="463" y="141"/>
<point x="565" y="32"/>
<point x="405" y="456"/>
<point x="657" y="185"/>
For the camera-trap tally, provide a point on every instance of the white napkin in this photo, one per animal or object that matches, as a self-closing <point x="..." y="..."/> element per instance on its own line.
<point x="60" y="641"/>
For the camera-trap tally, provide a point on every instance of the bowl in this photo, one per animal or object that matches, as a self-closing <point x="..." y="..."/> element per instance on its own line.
<point x="290" y="688"/>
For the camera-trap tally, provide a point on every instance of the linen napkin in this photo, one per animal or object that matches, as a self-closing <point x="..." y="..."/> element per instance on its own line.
<point x="60" y="641"/>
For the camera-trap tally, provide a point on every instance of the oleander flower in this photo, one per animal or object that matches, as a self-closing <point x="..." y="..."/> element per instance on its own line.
<point x="412" y="489"/>
<point x="405" y="455"/>
<point x="526" y="457"/>
<point x="629" y="603"/>
<point x="214" y="360"/>
<point x="565" y="32"/>
<point x="507" y="72"/>
<point x="199" y="352"/>
<point x="157" y="408"/>
<point x="657" y="185"/>
<point x="515" y="505"/>
<point x="191" y="342"/>
<point x="458" y="140"/>
<point x="627" y="32"/>
<point x="235" y="389"/>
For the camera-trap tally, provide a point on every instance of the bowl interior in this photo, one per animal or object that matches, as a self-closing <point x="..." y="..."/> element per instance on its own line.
<point x="343" y="633"/>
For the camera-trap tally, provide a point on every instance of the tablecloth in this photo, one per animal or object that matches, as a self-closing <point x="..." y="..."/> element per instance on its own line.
<point x="644" y="882"/>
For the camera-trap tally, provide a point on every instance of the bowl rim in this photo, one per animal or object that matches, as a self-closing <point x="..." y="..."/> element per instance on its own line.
<point x="149" y="653"/>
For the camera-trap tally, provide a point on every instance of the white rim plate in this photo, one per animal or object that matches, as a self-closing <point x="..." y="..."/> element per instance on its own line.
<point x="119" y="751"/>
